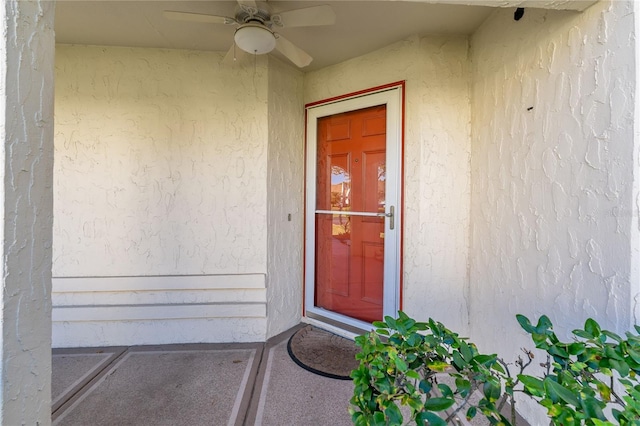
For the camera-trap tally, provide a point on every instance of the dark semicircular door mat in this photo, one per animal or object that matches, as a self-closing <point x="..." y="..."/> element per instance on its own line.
<point x="323" y="353"/>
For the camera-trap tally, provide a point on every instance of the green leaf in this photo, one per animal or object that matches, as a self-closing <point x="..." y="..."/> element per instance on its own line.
<point x="471" y="412"/>
<point x="393" y="414"/>
<point x="567" y="416"/>
<point x="635" y="355"/>
<point x="458" y="360"/>
<point x="425" y="387"/>
<point x="544" y="324"/>
<point x="578" y="366"/>
<point x="445" y="390"/>
<point x="582" y="333"/>
<point x="379" y="419"/>
<point x="463" y="386"/>
<point x="617" y="414"/>
<point x="575" y="348"/>
<point x="533" y="385"/>
<point x="358" y="419"/>
<point x="414" y="340"/>
<point x="592" y="408"/>
<point x="612" y="335"/>
<point x="497" y="367"/>
<point x="391" y="323"/>
<point x="540" y="340"/>
<point x="557" y="350"/>
<point x="429" y="418"/>
<point x="620" y="366"/>
<point x="439" y="366"/>
<point x="491" y="391"/>
<point x="613" y="353"/>
<point x="412" y="374"/>
<point x="401" y="365"/>
<point x="556" y="390"/>
<point x="485" y="359"/>
<point x="415" y="403"/>
<point x="606" y="371"/>
<point x="438" y="404"/>
<point x="465" y="351"/>
<point x="592" y="327"/>
<point x="525" y="323"/>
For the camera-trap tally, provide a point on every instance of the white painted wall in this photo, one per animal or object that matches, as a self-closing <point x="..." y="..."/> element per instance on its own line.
<point x="635" y="204"/>
<point x="436" y="163"/>
<point x="285" y="196"/>
<point x="160" y="174"/>
<point x="26" y="168"/>
<point x="554" y="214"/>
<point x="160" y="161"/>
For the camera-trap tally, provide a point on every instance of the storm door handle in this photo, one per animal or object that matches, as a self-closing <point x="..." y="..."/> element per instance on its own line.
<point x="390" y="215"/>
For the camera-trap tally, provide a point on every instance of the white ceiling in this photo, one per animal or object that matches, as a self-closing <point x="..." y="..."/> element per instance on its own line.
<point x="361" y="26"/>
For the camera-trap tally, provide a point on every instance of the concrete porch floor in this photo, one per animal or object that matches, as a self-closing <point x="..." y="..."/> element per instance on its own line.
<point x="201" y="384"/>
<point x="198" y="384"/>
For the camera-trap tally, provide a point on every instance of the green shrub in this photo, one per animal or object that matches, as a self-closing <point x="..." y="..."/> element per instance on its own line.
<point x="598" y="370"/>
<point x="400" y="361"/>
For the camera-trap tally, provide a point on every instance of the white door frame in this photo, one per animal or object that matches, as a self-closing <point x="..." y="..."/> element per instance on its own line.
<point x="392" y="97"/>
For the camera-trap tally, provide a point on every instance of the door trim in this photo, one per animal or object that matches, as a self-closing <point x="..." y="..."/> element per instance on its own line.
<point x="392" y="96"/>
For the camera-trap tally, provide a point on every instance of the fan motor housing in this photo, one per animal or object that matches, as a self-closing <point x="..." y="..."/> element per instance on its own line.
<point x="249" y="14"/>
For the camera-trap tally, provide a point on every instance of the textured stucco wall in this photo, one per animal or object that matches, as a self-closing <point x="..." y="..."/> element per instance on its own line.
<point x="436" y="163"/>
<point x="554" y="214"/>
<point x="160" y="163"/>
<point x="635" y="204"/>
<point x="285" y="186"/>
<point x="26" y="135"/>
<point x="160" y="171"/>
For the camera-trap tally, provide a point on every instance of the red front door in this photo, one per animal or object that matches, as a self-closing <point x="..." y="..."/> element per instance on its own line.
<point x="351" y="174"/>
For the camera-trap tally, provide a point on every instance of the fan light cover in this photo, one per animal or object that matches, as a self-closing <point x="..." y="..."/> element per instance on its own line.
<point x="256" y="39"/>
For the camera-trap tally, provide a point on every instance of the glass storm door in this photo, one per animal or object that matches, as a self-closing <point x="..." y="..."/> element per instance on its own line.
<point x="353" y="217"/>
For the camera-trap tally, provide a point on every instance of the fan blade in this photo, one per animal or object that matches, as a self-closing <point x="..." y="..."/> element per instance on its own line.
<point x="197" y="17"/>
<point x="307" y="17"/>
<point x="248" y="3"/>
<point x="292" y="52"/>
<point x="235" y="56"/>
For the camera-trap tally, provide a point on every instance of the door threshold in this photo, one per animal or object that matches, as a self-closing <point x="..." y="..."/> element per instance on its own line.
<point x="333" y="326"/>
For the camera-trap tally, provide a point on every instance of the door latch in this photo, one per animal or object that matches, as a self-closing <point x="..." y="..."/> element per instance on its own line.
<point x="390" y="215"/>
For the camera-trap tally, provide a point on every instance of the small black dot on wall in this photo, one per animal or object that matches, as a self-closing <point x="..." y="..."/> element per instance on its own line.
<point x="530" y="108"/>
<point x="519" y="13"/>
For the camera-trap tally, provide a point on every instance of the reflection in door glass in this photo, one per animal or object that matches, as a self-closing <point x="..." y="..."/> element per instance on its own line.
<point x="341" y="227"/>
<point x="382" y="171"/>
<point x="340" y="188"/>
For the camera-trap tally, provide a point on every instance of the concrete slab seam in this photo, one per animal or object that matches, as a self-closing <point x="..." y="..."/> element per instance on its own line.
<point x="114" y="356"/>
<point x="265" y="385"/>
<point x="113" y="367"/>
<point x="91" y="373"/>
<point x="241" y="390"/>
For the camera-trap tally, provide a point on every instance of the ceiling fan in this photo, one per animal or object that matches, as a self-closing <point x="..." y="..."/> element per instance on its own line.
<point x="255" y="28"/>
